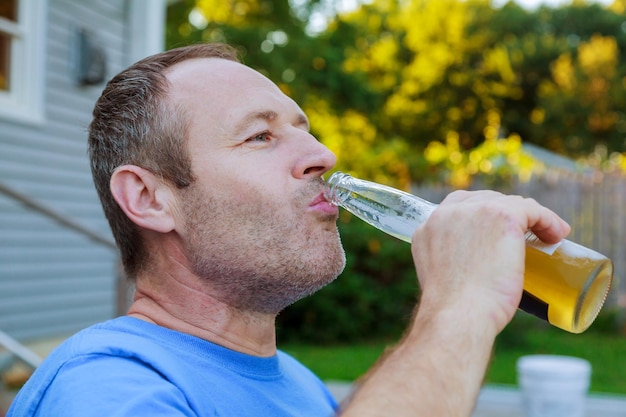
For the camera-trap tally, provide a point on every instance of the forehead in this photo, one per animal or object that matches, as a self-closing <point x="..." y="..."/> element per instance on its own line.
<point x="223" y="90"/>
<point x="215" y="73"/>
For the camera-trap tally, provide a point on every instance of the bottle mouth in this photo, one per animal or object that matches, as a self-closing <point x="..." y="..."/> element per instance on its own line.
<point x="330" y="190"/>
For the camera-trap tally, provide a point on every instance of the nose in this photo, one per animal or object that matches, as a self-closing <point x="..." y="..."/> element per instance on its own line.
<point x="315" y="158"/>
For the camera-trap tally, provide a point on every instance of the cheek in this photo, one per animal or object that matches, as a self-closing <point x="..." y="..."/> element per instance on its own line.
<point x="255" y="191"/>
<point x="251" y="206"/>
<point x="235" y="194"/>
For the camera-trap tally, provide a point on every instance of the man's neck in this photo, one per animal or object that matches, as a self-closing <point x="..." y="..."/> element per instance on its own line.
<point x="188" y="307"/>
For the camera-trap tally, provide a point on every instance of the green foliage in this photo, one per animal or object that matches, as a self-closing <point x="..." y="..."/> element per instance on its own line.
<point x="373" y="298"/>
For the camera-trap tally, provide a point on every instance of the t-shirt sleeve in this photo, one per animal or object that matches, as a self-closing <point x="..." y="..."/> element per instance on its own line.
<point x="101" y="385"/>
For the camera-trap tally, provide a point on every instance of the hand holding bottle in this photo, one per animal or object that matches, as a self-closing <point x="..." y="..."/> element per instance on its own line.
<point x="471" y="251"/>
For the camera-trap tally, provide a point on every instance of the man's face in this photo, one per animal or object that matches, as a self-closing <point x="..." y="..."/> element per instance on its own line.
<point x="254" y="224"/>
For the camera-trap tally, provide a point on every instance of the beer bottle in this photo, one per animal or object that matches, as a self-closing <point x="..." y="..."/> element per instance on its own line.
<point x="565" y="284"/>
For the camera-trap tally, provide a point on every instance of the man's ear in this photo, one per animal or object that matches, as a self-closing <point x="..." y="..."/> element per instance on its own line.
<point x="143" y="197"/>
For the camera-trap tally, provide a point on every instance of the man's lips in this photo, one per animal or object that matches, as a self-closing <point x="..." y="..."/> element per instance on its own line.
<point x="320" y="204"/>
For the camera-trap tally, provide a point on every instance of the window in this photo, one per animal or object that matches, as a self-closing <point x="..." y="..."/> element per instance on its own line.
<point x="21" y="60"/>
<point x="8" y="13"/>
<point x="5" y="59"/>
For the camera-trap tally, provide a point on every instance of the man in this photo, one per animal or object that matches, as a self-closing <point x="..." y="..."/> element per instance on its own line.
<point x="213" y="186"/>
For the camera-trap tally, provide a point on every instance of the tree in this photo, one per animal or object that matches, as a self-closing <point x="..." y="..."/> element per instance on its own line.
<point x="581" y="105"/>
<point x="549" y="114"/>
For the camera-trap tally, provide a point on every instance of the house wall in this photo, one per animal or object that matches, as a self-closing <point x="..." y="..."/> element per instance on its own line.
<point x="53" y="280"/>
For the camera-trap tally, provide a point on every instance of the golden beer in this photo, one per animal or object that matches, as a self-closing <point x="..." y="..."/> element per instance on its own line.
<point x="565" y="284"/>
<point x="572" y="282"/>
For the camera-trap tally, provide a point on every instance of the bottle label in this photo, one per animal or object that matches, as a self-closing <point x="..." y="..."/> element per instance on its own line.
<point x="536" y="243"/>
<point x="533" y="305"/>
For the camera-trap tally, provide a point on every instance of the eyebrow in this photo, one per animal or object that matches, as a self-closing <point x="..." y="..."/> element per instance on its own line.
<point x="267" y="115"/>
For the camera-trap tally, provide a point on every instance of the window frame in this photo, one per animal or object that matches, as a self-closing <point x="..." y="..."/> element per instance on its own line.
<point x="24" y="100"/>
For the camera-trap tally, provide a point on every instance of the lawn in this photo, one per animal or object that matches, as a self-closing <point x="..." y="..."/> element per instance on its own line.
<point x="606" y="352"/>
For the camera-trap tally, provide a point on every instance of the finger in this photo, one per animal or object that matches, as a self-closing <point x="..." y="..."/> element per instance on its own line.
<point x="546" y="224"/>
<point x="543" y="222"/>
<point x="460" y="196"/>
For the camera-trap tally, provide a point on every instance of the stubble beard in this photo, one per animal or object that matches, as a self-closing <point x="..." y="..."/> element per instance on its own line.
<point x="255" y="259"/>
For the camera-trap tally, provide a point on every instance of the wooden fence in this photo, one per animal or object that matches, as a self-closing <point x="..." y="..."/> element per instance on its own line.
<point x="593" y="204"/>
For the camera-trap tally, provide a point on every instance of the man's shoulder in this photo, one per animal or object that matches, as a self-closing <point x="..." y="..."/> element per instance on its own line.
<point x="118" y="350"/>
<point x="122" y="336"/>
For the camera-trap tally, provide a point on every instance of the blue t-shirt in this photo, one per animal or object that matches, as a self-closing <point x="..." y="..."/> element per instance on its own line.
<point x="128" y="367"/>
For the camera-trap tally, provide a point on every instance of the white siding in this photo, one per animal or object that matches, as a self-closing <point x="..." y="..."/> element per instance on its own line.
<point x="54" y="281"/>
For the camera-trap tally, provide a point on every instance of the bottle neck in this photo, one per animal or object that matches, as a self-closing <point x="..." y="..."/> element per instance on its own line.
<point x="337" y="186"/>
<point x="393" y="211"/>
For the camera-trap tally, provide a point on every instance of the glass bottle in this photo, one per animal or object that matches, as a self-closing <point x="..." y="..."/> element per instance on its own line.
<point x="565" y="284"/>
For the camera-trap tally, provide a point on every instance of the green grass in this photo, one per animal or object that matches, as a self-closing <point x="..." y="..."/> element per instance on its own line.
<point x="606" y="352"/>
<point x="343" y="363"/>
